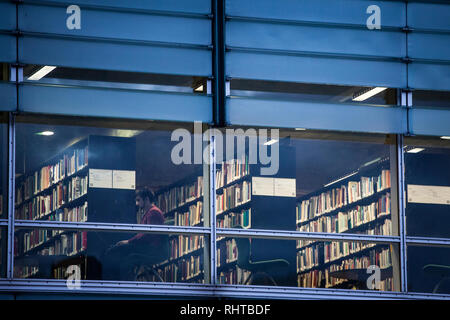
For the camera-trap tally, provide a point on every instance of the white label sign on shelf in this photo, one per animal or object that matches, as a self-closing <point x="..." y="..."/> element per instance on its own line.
<point x="124" y="179"/>
<point x="262" y="186"/>
<point x="284" y="187"/>
<point x="273" y="187"/>
<point x="428" y="194"/>
<point x="100" y="178"/>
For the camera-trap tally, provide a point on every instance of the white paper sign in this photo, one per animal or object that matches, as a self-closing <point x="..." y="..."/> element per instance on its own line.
<point x="428" y="194"/>
<point x="124" y="179"/>
<point x="100" y="178"/>
<point x="284" y="187"/>
<point x="262" y="186"/>
<point x="273" y="187"/>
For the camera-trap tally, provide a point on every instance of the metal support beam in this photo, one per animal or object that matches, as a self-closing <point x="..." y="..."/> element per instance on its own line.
<point x="218" y="34"/>
<point x="11" y="196"/>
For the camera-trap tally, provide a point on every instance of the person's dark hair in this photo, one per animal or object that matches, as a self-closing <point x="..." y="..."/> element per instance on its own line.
<point x="146" y="193"/>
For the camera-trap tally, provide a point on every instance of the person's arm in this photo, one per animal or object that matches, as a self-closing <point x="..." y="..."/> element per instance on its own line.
<point x="149" y="218"/>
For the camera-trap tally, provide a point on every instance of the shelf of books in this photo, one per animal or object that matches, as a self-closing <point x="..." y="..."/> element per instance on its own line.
<point x="75" y="185"/>
<point x="358" y="204"/>
<point x="182" y="205"/>
<point x="185" y="263"/>
<point x="239" y="205"/>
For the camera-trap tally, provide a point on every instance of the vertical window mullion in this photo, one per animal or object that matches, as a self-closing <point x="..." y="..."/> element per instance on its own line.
<point x="11" y="195"/>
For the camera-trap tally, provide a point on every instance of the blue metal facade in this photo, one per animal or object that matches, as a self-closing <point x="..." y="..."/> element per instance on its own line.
<point x="306" y="41"/>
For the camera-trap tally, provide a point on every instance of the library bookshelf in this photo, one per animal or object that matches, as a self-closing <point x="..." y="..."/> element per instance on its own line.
<point x="92" y="180"/>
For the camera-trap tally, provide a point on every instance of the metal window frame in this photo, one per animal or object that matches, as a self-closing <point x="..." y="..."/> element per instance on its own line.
<point x="11" y="284"/>
<point x="212" y="289"/>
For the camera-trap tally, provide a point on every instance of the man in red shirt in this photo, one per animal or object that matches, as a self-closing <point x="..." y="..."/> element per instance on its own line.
<point x="121" y="257"/>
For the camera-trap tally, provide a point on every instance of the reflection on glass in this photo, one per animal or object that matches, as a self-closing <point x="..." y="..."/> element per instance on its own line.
<point x="427" y="176"/>
<point x="429" y="269"/>
<point x="291" y="91"/>
<point x="103" y="171"/>
<point x="3" y="251"/>
<point x="323" y="184"/>
<point x="308" y="263"/>
<point x="119" y="256"/>
<point x="433" y="99"/>
<point x="3" y="166"/>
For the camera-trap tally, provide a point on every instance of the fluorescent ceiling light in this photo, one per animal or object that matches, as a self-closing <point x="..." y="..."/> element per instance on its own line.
<point x="445" y="137"/>
<point x="364" y="95"/>
<point x="300" y="129"/>
<point x="38" y="75"/>
<point x="415" y="150"/>
<point x="340" y="179"/>
<point x="45" y="133"/>
<point x="270" y="142"/>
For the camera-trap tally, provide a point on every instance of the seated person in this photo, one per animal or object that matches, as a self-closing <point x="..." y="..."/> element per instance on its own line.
<point x="117" y="263"/>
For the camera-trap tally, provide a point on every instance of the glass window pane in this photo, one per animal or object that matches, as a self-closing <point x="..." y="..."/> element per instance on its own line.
<point x="427" y="178"/>
<point x="307" y="263"/>
<point x="91" y="170"/>
<point x="311" y="182"/>
<point x="429" y="269"/>
<point x="313" y="92"/>
<point x="3" y="166"/>
<point x="3" y="251"/>
<point x="439" y="99"/>
<point x="114" y="79"/>
<point x="56" y="254"/>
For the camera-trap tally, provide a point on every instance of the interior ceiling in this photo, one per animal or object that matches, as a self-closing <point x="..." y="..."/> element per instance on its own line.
<point x="317" y="161"/>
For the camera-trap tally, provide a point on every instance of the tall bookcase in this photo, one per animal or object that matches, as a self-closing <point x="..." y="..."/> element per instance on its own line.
<point x="362" y="202"/>
<point x="93" y="180"/>
<point x="247" y="199"/>
<point x="182" y="205"/>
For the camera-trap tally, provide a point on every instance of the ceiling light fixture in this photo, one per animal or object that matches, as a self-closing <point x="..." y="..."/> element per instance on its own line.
<point x="415" y="150"/>
<point x="45" y="133"/>
<point x="38" y="75"/>
<point x="368" y="93"/>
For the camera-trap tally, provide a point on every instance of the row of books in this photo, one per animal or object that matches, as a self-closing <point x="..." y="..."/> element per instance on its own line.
<point x="233" y="219"/>
<point x="193" y="216"/>
<point x="50" y="175"/>
<point x="183" y="245"/>
<point x="234" y="275"/>
<point x="338" y="197"/>
<point x="60" y="242"/>
<point x="321" y="278"/>
<point x="61" y="194"/>
<point x="313" y="256"/>
<point x="226" y="252"/>
<point x="25" y="271"/>
<point x="381" y="229"/>
<point x="233" y="196"/>
<point x="178" y="196"/>
<point x="344" y="221"/>
<point x="61" y="272"/>
<point x="76" y="214"/>
<point x="232" y="170"/>
<point x="190" y="267"/>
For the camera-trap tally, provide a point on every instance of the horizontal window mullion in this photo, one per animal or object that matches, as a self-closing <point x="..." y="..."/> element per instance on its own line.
<point x="298" y="235"/>
<point x="308" y="23"/>
<point x="94" y="226"/>
<point x="428" y="241"/>
<point x="151" y="43"/>
<point x="99" y="287"/>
